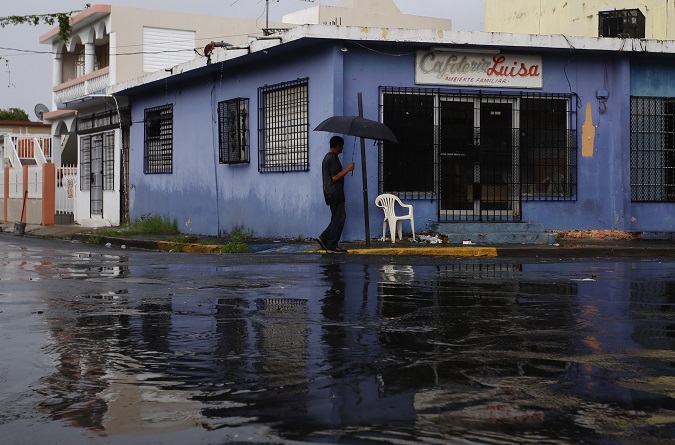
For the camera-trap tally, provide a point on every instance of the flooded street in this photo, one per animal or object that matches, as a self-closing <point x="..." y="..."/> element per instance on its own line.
<point x="109" y="346"/>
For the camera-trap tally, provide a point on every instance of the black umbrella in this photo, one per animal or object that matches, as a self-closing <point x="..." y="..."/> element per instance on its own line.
<point x="357" y="126"/>
<point x="363" y="128"/>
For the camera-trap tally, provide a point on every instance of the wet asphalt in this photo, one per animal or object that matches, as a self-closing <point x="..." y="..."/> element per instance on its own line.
<point x="564" y="248"/>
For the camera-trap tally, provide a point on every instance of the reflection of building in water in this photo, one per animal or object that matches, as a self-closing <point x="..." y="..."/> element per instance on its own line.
<point x="135" y="406"/>
<point x="81" y="357"/>
<point x="396" y="273"/>
<point x="655" y="299"/>
<point x="360" y="345"/>
<point x="463" y="308"/>
<point x="281" y="325"/>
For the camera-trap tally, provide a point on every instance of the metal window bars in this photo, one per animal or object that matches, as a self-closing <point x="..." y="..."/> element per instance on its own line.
<point x="283" y="127"/>
<point x="158" y="150"/>
<point x="652" y="149"/>
<point x="233" y="131"/>
<point x="479" y="154"/>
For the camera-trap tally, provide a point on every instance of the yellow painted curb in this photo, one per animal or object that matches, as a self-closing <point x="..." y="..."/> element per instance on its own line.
<point x="165" y="246"/>
<point x="168" y="246"/>
<point x="427" y="251"/>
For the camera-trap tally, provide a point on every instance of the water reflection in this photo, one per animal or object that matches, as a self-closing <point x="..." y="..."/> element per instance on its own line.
<point x="555" y="353"/>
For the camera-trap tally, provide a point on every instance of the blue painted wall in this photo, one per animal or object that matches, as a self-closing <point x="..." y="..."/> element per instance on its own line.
<point x="206" y="197"/>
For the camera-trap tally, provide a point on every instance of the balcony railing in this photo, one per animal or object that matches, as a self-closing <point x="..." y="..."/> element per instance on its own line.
<point x="78" y="88"/>
<point x="22" y="149"/>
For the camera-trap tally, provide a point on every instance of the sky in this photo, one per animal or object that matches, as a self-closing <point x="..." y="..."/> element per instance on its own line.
<point x="26" y="65"/>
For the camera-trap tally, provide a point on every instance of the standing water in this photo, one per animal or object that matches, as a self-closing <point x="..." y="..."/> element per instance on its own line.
<point x="145" y="348"/>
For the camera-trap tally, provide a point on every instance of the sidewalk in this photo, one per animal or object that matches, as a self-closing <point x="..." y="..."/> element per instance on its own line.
<point x="564" y="248"/>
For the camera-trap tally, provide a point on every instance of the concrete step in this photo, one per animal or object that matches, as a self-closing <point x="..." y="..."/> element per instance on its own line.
<point x="494" y="233"/>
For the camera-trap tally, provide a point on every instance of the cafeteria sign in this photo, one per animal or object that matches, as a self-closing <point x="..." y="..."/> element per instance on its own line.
<point x="481" y="70"/>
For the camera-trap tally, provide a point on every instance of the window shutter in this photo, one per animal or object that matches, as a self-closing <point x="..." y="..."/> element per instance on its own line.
<point x="164" y="48"/>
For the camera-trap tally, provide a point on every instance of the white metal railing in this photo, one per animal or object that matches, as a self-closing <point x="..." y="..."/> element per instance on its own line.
<point x="44" y="143"/>
<point x="11" y="153"/>
<point x="81" y="89"/>
<point x="24" y="146"/>
<point x="65" y="190"/>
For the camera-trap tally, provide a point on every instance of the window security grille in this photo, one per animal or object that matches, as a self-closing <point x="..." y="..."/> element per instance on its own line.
<point x="283" y="143"/>
<point x="108" y="160"/>
<point x="85" y="164"/>
<point x="233" y="131"/>
<point x="96" y="185"/>
<point x="104" y="120"/>
<point x="476" y="153"/>
<point x="652" y="149"/>
<point x="158" y="151"/>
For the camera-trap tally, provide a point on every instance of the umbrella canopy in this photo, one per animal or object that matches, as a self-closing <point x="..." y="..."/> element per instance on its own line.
<point x="357" y="126"/>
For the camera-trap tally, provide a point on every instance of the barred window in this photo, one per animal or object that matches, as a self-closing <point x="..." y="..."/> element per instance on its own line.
<point x="158" y="150"/>
<point x="283" y="145"/>
<point x="108" y="160"/>
<point x="411" y="116"/>
<point x="233" y="131"/>
<point x="547" y="148"/>
<point x="85" y="164"/>
<point x="652" y="149"/>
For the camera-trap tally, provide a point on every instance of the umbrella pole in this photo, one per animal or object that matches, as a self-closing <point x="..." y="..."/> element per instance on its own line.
<point x="365" y="179"/>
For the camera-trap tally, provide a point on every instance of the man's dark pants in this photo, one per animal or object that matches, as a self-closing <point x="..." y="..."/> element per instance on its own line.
<point x="338" y="216"/>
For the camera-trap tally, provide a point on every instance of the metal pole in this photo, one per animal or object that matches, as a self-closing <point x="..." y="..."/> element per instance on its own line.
<point x="365" y="179"/>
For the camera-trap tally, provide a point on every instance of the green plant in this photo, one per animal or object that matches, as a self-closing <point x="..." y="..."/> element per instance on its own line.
<point x="234" y="247"/>
<point x="239" y="234"/>
<point x="178" y="247"/>
<point x="191" y="238"/>
<point x="62" y="18"/>
<point x="146" y="224"/>
<point x="93" y="239"/>
<point x="299" y="238"/>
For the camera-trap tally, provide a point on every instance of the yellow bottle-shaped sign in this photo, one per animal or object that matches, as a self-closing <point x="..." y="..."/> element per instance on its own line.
<point x="588" y="134"/>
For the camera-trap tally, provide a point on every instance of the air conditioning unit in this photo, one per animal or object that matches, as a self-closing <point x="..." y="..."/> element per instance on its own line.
<point x="622" y="23"/>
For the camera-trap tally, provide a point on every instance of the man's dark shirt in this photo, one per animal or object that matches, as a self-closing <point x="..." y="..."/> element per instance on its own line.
<point x="333" y="192"/>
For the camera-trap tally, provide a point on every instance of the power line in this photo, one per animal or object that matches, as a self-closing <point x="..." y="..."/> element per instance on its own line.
<point x="130" y="53"/>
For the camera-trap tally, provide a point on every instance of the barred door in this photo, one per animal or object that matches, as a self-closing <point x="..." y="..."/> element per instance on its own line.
<point x="96" y="192"/>
<point x="478" y="160"/>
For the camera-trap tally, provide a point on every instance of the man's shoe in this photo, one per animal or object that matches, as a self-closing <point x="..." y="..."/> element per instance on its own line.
<point x="338" y="249"/>
<point x="321" y="243"/>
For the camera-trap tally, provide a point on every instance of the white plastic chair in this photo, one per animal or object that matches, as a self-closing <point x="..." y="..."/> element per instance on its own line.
<point x="387" y="203"/>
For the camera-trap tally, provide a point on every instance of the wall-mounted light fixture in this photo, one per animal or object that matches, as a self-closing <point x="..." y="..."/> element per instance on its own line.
<point x="450" y="49"/>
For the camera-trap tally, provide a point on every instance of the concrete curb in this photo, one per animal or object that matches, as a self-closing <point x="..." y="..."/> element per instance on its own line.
<point x="578" y="248"/>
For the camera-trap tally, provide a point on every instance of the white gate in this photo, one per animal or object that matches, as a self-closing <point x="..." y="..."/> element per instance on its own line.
<point x="64" y="194"/>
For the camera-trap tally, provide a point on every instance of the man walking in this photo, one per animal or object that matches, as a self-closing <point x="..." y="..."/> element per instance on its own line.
<point x="333" y="191"/>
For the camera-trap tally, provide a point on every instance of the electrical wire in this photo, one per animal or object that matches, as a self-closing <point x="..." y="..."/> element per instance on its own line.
<point x="130" y="53"/>
<point x="381" y="52"/>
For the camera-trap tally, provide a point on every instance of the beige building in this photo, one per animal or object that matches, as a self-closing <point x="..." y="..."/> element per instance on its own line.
<point x="111" y="44"/>
<point x="376" y="13"/>
<point x="577" y="18"/>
